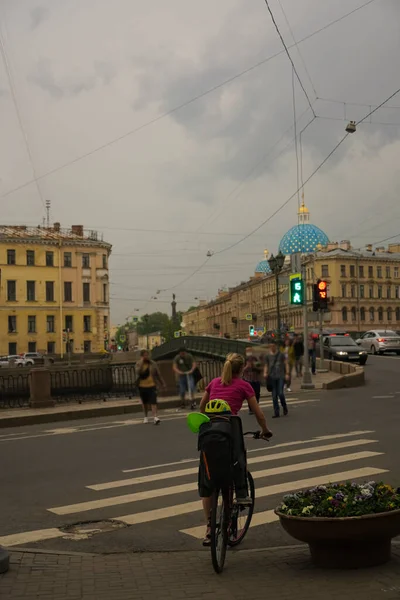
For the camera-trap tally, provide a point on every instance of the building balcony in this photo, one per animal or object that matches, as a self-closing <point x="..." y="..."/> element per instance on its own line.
<point x="86" y="272"/>
<point x="102" y="273"/>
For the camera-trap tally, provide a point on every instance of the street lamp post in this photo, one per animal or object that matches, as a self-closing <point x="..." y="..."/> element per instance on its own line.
<point x="276" y="265"/>
<point x="4" y="560"/>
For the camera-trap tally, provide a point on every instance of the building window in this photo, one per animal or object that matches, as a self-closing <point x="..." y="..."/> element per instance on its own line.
<point x="361" y="271"/>
<point x="49" y="259"/>
<point x="325" y="270"/>
<point x="105" y="322"/>
<point x="372" y="314"/>
<point x="67" y="259"/>
<point x="86" y="261"/>
<point x="398" y="313"/>
<point x="362" y="313"/>
<point x="30" y="258"/>
<point x="50" y="322"/>
<point x="104" y="261"/>
<point x="397" y="292"/>
<point x="389" y="292"/>
<point x="371" y="272"/>
<point x="69" y="322"/>
<point x="67" y="291"/>
<point x="31" y="346"/>
<point x="87" y="323"/>
<point x="51" y="347"/>
<point x="371" y="291"/>
<point x="12" y="348"/>
<point x="379" y="291"/>
<point x="389" y="314"/>
<point x="105" y="295"/>
<point x="86" y="292"/>
<point x="396" y="272"/>
<point x="352" y="271"/>
<point x="379" y="272"/>
<point x="49" y="291"/>
<point x="31" y="291"/>
<point x="362" y="292"/>
<point x="31" y="324"/>
<point x="388" y="272"/>
<point x="380" y="314"/>
<point x="11" y="291"/>
<point x="353" y="291"/>
<point x="344" y="290"/>
<point x="11" y="257"/>
<point x="87" y="346"/>
<point x="353" y="313"/>
<point x="344" y="314"/>
<point x="342" y="270"/>
<point x="12" y="324"/>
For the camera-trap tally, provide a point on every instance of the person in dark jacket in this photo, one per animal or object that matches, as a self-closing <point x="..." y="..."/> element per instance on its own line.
<point x="298" y="346"/>
<point x="148" y="377"/>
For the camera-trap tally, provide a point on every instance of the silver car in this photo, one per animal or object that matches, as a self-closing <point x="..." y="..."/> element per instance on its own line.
<point x="380" y="341"/>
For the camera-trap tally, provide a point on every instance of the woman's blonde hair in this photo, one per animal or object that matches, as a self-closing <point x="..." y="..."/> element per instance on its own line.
<point x="233" y="366"/>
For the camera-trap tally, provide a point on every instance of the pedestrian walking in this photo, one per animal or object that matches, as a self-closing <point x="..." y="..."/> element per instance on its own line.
<point x="298" y="348"/>
<point x="312" y="352"/>
<point x="252" y="374"/>
<point x="184" y="366"/>
<point x="148" y="376"/>
<point x="288" y="350"/>
<point x="276" y="370"/>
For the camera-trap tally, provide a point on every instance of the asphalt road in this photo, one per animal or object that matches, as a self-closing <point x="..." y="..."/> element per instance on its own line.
<point x="144" y="476"/>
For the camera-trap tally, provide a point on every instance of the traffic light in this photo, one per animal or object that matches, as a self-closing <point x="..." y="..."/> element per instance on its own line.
<point x="296" y="291"/>
<point x="320" y="295"/>
<point x="251" y="330"/>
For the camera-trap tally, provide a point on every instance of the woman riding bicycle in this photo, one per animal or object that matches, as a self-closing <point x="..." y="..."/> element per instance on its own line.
<point x="230" y="388"/>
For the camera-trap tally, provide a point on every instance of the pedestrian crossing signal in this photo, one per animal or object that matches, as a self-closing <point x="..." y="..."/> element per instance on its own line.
<point x="251" y="331"/>
<point x="320" y="295"/>
<point x="296" y="291"/>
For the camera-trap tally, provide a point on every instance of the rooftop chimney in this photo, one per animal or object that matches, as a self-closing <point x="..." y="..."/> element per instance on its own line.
<point x="56" y="226"/>
<point x="345" y="245"/>
<point x="369" y="247"/>
<point x="77" y="230"/>
<point x="380" y="249"/>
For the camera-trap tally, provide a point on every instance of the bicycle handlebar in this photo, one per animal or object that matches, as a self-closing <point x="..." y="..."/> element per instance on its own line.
<point x="257" y="435"/>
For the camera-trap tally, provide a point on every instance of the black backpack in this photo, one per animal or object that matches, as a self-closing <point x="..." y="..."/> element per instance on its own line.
<point x="215" y="444"/>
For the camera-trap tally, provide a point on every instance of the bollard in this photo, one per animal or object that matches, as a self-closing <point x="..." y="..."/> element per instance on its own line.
<point x="40" y="388"/>
<point x="4" y="560"/>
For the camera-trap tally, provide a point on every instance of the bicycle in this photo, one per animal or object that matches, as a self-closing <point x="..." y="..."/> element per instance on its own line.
<point x="225" y="517"/>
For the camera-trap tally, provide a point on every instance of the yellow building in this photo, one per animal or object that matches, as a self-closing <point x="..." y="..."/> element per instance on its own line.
<point x="150" y="341"/>
<point x="364" y="289"/>
<point x="54" y="288"/>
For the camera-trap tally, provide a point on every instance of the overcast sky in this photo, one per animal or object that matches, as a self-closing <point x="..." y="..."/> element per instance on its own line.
<point x="87" y="72"/>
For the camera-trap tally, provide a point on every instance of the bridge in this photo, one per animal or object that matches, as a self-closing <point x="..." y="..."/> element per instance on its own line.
<point x="209" y="347"/>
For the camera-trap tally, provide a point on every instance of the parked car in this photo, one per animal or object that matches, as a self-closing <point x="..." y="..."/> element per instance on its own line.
<point x="6" y="361"/>
<point x="344" y="348"/>
<point x="380" y="341"/>
<point x="32" y="358"/>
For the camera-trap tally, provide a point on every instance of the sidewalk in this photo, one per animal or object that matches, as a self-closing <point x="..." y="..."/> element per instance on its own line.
<point x="276" y="574"/>
<point x="17" y="417"/>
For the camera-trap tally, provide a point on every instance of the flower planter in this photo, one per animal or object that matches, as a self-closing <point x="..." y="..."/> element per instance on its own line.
<point x="345" y="542"/>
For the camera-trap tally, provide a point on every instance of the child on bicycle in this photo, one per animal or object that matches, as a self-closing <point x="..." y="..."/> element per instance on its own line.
<point x="225" y="395"/>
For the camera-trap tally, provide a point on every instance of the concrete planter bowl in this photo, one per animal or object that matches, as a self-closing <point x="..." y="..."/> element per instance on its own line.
<point x="345" y="542"/>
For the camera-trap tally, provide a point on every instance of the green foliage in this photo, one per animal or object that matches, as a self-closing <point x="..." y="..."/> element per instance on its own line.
<point x="342" y="500"/>
<point x="151" y="323"/>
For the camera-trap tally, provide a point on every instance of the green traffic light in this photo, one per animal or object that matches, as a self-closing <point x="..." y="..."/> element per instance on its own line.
<point x="296" y="291"/>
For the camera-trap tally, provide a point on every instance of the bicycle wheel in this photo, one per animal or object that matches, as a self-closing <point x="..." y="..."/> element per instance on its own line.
<point x="219" y="528"/>
<point x="241" y="517"/>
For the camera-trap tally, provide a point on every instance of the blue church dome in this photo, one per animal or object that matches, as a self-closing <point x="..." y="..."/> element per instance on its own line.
<point x="303" y="237"/>
<point x="263" y="266"/>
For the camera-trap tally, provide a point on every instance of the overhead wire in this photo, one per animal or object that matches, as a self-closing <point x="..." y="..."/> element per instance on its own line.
<point x="184" y="104"/>
<point x="289" y="56"/>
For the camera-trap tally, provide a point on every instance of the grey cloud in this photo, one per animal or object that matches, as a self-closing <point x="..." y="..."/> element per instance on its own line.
<point x="104" y="71"/>
<point x="38" y="15"/>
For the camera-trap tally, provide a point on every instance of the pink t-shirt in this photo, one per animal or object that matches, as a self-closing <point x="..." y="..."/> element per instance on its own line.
<point x="235" y="393"/>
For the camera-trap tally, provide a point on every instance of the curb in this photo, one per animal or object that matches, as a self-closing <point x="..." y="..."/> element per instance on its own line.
<point x="4" y="560"/>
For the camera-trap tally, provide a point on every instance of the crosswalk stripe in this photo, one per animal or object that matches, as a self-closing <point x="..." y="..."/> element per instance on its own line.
<point x="261" y="518"/>
<point x="28" y="537"/>
<point x="271" y="490"/>
<point x="322" y="438"/>
<point x="189" y="487"/>
<point x="264" y="458"/>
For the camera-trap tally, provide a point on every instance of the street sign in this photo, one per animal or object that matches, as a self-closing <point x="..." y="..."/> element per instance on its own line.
<point x="135" y="319"/>
<point x="177" y="334"/>
<point x="122" y="338"/>
<point x="295" y="276"/>
<point x="249" y="317"/>
<point x="295" y="262"/>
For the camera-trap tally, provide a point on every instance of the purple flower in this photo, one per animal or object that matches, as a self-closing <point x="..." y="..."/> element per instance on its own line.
<point x="339" y="496"/>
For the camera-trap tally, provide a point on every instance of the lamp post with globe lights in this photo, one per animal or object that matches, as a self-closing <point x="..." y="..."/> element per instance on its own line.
<point x="276" y="265"/>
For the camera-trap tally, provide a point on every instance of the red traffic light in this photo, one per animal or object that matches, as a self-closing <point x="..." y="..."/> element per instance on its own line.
<point x="322" y="286"/>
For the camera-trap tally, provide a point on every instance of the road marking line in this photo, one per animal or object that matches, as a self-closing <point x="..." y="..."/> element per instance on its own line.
<point x="283" y="445"/>
<point x="160" y="492"/>
<point x="257" y="459"/>
<point x="27" y="537"/>
<point x="271" y="490"/>
<point x="381" y="397"/>
<point x="261" y="518"/>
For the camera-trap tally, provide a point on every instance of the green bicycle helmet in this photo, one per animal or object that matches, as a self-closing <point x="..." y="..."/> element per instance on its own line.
<point x="218" y="407"/>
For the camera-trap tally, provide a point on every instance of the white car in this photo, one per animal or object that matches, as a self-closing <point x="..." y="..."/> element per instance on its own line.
<point x="19" y="361"/>
<point x="380" y="341"/>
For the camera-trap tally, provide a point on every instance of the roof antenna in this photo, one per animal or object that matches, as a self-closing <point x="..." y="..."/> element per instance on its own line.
<point x="48" y="204"/>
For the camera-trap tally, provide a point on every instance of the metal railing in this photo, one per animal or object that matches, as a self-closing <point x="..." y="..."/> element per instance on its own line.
<point x="14" y="388"/>
<point x="206" y="346"/>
